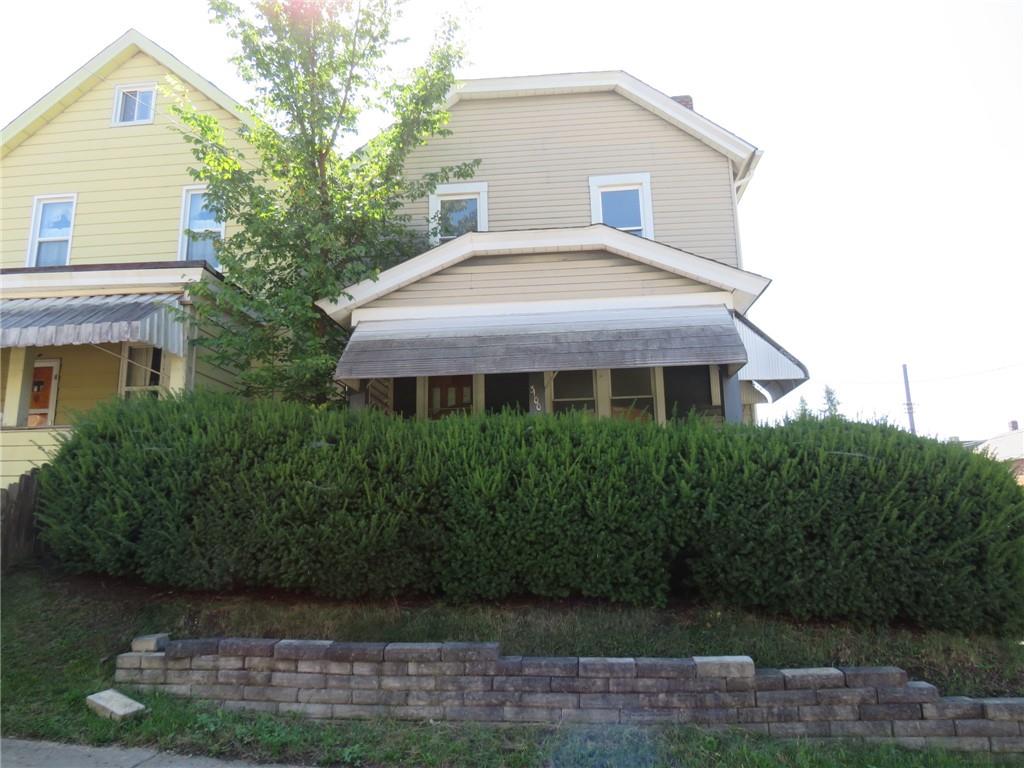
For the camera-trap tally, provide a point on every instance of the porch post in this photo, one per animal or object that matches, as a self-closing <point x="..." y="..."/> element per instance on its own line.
<point x="177" y="373"/>
<point x="538" y="394"/>
<point x="18" y="386"/>
<point x="732" y="401"/>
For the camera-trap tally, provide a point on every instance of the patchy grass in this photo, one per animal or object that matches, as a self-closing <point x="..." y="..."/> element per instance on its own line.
<point x="59" y="637"/>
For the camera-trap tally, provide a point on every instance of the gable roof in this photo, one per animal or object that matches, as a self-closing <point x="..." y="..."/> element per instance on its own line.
<point x="742" y="155"/>
<point x="95" y="71"/>
<point x="745" y="286"/>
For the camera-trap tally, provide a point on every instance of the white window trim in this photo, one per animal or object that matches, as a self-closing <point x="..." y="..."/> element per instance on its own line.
<point x="114" y="121"/>
<point x="458" y="191"/>
<point x="641" y="181"/>
<point x="37" y="211"/>
<point x="51" y="409"/>
<point x="186" y="194"/>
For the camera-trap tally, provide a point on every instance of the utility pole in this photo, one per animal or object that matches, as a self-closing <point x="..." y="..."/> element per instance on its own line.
<point x="910" y="404"/>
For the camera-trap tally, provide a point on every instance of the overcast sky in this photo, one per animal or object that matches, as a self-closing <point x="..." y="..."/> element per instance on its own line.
<point x="888" y="208"/>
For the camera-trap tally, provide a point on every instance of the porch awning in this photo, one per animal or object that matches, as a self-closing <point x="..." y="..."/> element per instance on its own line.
<point x="771" y="368"/>
<point x="550" y="341"/>
<point x="54" y="321"/>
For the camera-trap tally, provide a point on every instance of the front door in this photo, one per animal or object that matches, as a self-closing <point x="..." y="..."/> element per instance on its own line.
<point x="43" y="399"/>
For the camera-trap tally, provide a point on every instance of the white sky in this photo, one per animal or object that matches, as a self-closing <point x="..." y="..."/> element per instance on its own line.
<point x="888" y="208"/>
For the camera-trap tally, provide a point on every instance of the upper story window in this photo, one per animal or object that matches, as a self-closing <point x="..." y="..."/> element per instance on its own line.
<point x="197" y="222"/>
<point x="134" y="104"/>
<point x="623" y="201"/>
<point x="50" y="241"/>
<point x="456" y="209"/>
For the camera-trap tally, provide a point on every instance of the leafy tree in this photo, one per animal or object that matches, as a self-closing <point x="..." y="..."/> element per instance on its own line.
<point x="306" y="219"/>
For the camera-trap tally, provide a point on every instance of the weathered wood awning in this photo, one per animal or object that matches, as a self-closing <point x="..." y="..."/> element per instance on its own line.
<point x="769" y="367"/>
<point x="137" y="318"/>
<point x="549" y="341"/>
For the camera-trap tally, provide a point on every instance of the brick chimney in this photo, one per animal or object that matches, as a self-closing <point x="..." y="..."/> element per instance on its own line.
<point x="686" y="101"/>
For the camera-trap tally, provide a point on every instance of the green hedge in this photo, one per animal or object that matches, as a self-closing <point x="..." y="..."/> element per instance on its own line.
<point x="818" y="519"/>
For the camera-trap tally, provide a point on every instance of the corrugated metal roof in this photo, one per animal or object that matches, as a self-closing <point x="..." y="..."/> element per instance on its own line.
<point x="553" y="341"/>
<point x="769" y="366"/>
<point x="54" y="321"/>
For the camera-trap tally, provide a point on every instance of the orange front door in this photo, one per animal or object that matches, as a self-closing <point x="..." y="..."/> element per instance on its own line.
<point x="42" y="399"/>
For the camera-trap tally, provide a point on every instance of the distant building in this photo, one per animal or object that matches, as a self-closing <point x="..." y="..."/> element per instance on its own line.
<point x="1008" y="446"/>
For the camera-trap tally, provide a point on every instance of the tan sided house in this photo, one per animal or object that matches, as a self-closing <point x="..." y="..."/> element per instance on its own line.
<point x="96" y="260"/>
<point x="592" y="263"/>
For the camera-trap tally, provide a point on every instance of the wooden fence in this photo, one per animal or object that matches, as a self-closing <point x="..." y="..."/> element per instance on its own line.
<point x="18" y="540"/>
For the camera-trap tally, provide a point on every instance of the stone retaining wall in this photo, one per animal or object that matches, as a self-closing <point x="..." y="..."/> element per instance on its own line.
<point x="473" y="681"/>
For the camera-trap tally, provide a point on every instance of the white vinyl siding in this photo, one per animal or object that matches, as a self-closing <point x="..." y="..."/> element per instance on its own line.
<point x="539" y="277"/>
<point x="538" y="153"/>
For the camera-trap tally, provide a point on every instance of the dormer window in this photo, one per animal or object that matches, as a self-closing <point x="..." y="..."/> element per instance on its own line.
<point x="134" y="104"/>
<point x="456" y="209"/>
<point x="623" y="201"/>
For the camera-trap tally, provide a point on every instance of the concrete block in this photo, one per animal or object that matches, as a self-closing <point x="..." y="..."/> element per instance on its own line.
<point x="434" y="698"/>
<point x="464" y="683"/>
<point x="214" y="661"/>
<point x="318" y="711"/>
<point x="643" y="715"/>
<point x="986" y="727"/>
<point x="416" y="712"/>
<point x="813" y="677"/>
<point x="179" y="649"/>
<point x="522" y="683"/>
<point x="586" y="684"/>
<point x="302" y="649"/>
<point x="324" y="696"/>
<point x="128" y="661"/>
<point x="551" y="666"/>
<point x="412" y="652"/>
<point x="923" y="728"/>
<point x="477" y="714"/>
<point x="829" y="712"/>
<point x="365" y="668"/>
<point x="799" y="698"/>
<point x="127" y="675"/>
<point x="217" y="692"/>
<point x="847" y="696"/>
<point x="655" y="667"/>
<point x="890" y="711"/>
<point x="767" y="679"/>
<point x="669" y="700"/>
<point x="154" y="676"/>
<point x="504" y="665"/>
<point x="470" y="652"/>
<point x="627" y="684"/>
<point x="741" y="684"/>
<point x="515" y="714"/>
<point x="263" y="664"/>
<point x="114" y="705"/>
<point x="150" y="643"/>
<point x="916" y="692"/>
<point x="269" y="693"/>
<point x="407" y="683"/>
<point x="734" y="699"/>
<point x="356" y="652"/>
<point x="724" y="666"/>
<point x="697" y="685"/>
<point x="491" y="698"/>
<point x="953" y="707"/>
<point x="609" y="700"/>
<point x="297" y="680"/>
<point x="379" y="697"/>
<point x="874" y="677"/>
<point x="860" y="728"/>
<point x="192" y="676"/>
<point x="707" y="716"/>
<point x="1004" y="708"/>
<point x="799" y="730"/>
<point x="394" y="668"/>
<point x="359" y="711"/>
<point x="246" y="646"/>
<point x="1002" y="744"/>
<point x="590" y="715"/>
<point x="958" y="743"/>
<point x="437" y="668"/>
<point x="352" y="682"/>
<point x="155" y="660"/>
<point x="325" y="667"/>
<point x="559" y="700"/>
<point x="602" y="666"/>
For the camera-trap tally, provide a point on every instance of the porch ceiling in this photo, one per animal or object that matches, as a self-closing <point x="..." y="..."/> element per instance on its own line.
<point x="552" y="341"/>
<point x="144" y="319"/>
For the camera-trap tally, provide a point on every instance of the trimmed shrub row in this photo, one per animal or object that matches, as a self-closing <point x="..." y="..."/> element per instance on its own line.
<point x="817" y="518"/>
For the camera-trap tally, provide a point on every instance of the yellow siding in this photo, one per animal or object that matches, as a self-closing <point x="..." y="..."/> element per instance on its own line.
<point x="538" y="153"/>
<point x="540" y="277"/>
<point x="23" y="449"/>
<point x="87" y="377"/>
<point x="128" y="179"/>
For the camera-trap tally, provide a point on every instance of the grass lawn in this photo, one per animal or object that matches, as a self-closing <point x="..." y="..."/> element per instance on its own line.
<point x="60" y="634"/>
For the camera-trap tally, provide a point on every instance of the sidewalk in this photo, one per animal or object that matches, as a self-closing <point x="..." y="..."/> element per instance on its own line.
<point x="16" y="753"/>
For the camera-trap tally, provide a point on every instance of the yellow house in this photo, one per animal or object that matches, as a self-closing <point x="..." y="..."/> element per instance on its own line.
<point x="95" y="257"/>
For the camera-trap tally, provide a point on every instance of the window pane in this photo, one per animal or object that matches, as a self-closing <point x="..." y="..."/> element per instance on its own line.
<point x="129" y="100"/>
<point x="202" y="250"/>
<point x="200" y="217"/>
<point x="55" y="220"/>
<point x="570" y="384"/>
<point x="620" y="208"/>
<point x="631" y="382"/>
<point x="458" y="217"/>
<point x="52" y="254"/>
<point x="140" y="360"/>
<point x="144" y="109"/>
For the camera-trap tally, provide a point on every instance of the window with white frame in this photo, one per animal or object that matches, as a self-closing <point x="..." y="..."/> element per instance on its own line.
<point x="456" y="209"/>
<point x="141" y="369"/>
<point x="574" y="391"/>
<point x="200" y="228"/>
<point x="50" y="242"/>
<point x="623" y="201"/>
<point x="134" y="104"/>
